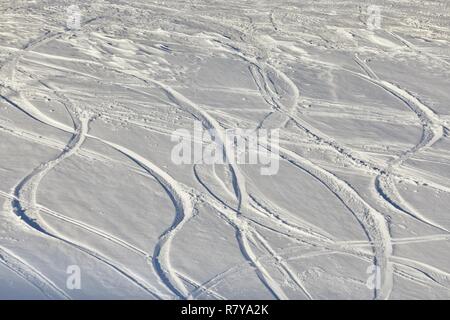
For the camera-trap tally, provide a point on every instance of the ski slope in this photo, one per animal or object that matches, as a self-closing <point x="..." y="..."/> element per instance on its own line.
<point x="358" y="204"/>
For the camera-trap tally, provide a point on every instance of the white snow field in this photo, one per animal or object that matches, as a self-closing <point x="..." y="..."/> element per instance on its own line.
<point x="95" y="206"/>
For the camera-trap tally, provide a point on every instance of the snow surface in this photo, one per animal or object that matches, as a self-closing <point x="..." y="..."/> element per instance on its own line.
<point x="87" y="178"/>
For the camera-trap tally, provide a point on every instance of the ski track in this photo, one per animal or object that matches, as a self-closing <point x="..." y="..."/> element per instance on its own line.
<point x="372" y="221"/>
<point x="238" y="183"/>
<point x="36" y="114"/>
<point x="181" y="202"/>
<point x="180" y="198"/>
<point x="433" y="130"/>
<point x="106" y="236"/>
<point x="213" y="124"/>
<point x="24" y="200"/>
<point x="432" y="126"/>
<point x="31" y="275"/>
<point x="250" y="212"/>
<point x="229" y="215"/>
<point x="25" y="206"/>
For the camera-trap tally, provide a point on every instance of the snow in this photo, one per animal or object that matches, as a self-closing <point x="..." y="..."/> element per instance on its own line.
<point x="91" y="97"/>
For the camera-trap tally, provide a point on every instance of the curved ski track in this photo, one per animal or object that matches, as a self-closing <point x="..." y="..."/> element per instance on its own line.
<point x="251" y="212"/>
